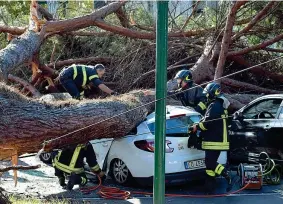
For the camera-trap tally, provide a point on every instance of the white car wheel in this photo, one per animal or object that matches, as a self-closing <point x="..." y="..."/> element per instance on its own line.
<point x="46" y="158"/>
<point x="120" y="172"/>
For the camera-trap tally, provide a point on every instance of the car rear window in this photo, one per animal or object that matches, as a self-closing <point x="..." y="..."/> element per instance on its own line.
<point x="177" y="126"/>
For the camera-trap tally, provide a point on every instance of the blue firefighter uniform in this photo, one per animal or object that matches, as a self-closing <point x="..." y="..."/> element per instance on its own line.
<point x="77" y="78"/>
<point x="70" y="162"/>
<point x="214" y="133"/>
<point x="192" y="97"/>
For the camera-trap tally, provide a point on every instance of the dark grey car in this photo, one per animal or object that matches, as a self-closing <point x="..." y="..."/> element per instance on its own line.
<point x="258" y="127"/>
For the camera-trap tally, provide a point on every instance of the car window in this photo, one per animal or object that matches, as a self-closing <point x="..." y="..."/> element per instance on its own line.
<point x="177" y="126"/>
<point x="281" y="114"/>
<point x="268" y="105"/>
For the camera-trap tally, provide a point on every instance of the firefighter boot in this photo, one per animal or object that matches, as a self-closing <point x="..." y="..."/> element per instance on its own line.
<point x="62" y="182"/>
<point x="71" y="182"/>
<point x="210" y="184"/>
<point x="226" y="175"/>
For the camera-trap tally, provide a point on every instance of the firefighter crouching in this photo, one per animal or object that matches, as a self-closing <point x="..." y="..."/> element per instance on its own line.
<point x="70" y="163"/>
<point x="78" y="78"/>
<point x="214" y="134"/>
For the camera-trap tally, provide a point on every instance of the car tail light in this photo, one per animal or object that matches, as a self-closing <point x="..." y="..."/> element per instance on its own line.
<point x="148" y="145"/>
<point x="177" y="116"/>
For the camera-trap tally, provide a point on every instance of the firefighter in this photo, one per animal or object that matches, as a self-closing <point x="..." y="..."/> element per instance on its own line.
<point x="214" y="134"/>
<point x="77" y="78"/>
<point x="69" y="162"/>
<point x="188" y="93"/>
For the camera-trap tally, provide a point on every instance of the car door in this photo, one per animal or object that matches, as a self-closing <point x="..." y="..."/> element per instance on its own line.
<point x="259" y="125"/>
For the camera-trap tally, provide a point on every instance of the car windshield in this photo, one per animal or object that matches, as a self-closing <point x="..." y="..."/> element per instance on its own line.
<point x="177" y="126"/>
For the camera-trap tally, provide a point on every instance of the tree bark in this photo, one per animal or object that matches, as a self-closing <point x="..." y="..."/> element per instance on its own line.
<point x="227" y="39"/>
<point x="204" y="68"/>
<point x="18" y="51"/>
<point x="26" y="123"/>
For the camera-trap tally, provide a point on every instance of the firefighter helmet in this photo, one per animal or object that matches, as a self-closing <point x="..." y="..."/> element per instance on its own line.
<point x="185" y="76"/>
<point x="212" y="90"/>
<point x="99" y="66"/>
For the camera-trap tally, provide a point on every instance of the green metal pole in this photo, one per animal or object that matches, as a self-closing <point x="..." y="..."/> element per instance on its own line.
<point x="160" y="105"/>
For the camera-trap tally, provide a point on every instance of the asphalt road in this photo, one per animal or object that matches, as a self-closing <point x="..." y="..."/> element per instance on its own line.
<point x="41" y="183"/>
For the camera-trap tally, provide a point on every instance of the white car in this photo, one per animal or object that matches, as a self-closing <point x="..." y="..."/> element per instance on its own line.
<point x="131" y="158"/>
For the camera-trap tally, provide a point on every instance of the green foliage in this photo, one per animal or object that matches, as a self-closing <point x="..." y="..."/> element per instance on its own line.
<point x="14" y="12"/>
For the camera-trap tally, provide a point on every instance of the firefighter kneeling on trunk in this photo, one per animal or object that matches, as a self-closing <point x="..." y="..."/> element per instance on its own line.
<point x="70" y="163"/>
<point x="214" y="134"/>
<point x="78" y="78"/>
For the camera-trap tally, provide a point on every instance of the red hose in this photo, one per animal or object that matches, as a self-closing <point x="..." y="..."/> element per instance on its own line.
<point x="116" y="193"/>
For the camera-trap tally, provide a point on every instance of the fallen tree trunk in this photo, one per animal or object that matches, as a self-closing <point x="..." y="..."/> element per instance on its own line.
<point x="26" y="123"/>
<point x="18" y="51"/>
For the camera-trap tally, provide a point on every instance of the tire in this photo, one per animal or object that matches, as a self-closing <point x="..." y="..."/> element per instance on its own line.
<point x="46" y="157"/>
<point x="120" y="173"/>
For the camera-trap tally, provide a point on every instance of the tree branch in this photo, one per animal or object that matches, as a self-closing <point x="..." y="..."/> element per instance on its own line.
<point x="19" y="168"/>
<point x="190" y="16"/>
<point x="90" y="33"/>
<point x="120" y="13"/>
<point x="259" y="71"/>
<point x="255" y="20"/>
<point x="48" y="16"/>
<point x="145" y="35"/>
<point x="86" y="60"/>
<point x="83" y="21"/>
<point x="238" y="84"/>
<point x="227" y="39"/>
<point x="12" y="30"/>
<point x="274" y="50"/>
<point x="256" y="47"/>
<point x="25" y="84"/>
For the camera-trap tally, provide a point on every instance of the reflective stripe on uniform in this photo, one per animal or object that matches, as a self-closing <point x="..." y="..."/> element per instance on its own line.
<point x="224" y="131"/>
<point x="210" y="172"/>
<point x="84" y="76"/>
<point x="93" y="77"/>
<point x="67" y="169"/>
<point x="71" y="168"/>
<point x="202" y="126"/>
<point x="225" y="116"/>
<point x="215" y="145"/>
<point x="83" y="181"/>
<point x="96" y="167"/>
<point x="75" y="156"/>
<point x="219" y="169"/>
<point x="202" y="105"/>
<point x="75" y="72"/>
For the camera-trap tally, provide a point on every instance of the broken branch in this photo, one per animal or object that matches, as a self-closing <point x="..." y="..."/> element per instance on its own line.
<point x="19" y="168"/>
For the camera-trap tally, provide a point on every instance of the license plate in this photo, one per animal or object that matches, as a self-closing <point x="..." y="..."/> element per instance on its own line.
<point x="196" y="164"/>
